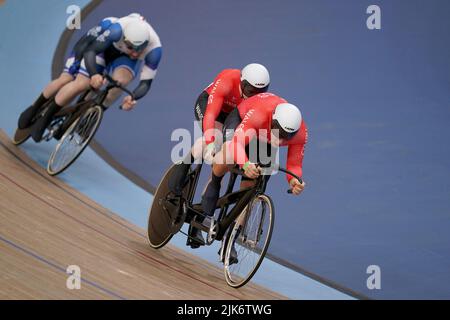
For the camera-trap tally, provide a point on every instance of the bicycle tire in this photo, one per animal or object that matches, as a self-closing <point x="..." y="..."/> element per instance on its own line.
<point x="72" y="127"/>
<point x="232" y="239"/>
<point x="158" y="231"/>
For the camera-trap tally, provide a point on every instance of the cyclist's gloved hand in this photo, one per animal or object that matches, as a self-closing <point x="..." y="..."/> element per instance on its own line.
<point x="210" y="151"/>
<point x="251" y="170"/>
<point x="96" y="81"/>
<point x="128" y="103"/>
<point x="296" y="186"/>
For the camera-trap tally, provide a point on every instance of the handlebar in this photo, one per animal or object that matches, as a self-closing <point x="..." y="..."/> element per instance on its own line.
<point x="240" y="172"/>
<point x="116" y="84"/>
<point x="113" y="84"/>
<point x="292" y="174"/>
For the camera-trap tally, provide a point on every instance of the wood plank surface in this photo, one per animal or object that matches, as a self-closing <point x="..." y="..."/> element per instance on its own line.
<point x="45" y="226"/>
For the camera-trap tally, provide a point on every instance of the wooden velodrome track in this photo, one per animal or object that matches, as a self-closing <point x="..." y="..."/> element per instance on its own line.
<point x="45" y="226"/>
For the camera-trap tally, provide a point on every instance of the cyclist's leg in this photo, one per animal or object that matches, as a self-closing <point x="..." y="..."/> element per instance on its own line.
<point x="53" y="87"/>
<point x="220" y="168"/>
<point x="124" y="77"/>
<point x="261" y="158"/>
<point x="262" y="155"/>
<point x="67" y="93"/>
<point x="122" y="69"/>
<point x="196" y="153"/>
<point x="81" y="83"/>
<point x="256" y="156"/>
<point x="66" y="76"/>
<point x="69" y="73"/>
<point x="64" y="96"/>
<point x="220" y="165"/>
<point x="177" y="180"/>
<point x="50" y="90"/>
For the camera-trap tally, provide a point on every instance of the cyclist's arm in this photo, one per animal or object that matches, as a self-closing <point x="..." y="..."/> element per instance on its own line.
<point x="100" y="44"/>
<point x="295" y="160"/>
<point x="213" y="108"/>
<point x="82" y="44"/>
<point x="148" y="72"/>
<point x="244" y="133"/>
<point x="296" y="152"/>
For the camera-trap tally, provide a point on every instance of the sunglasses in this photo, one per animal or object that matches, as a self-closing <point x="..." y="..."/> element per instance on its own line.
<point x="248" y="90"/>
<point x="137" y="48"/>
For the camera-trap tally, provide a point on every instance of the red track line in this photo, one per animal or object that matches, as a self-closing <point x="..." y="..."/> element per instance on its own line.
<point x="112" y="239"/>
<point x="69" y="193"/>
<point x="46" y="261"/>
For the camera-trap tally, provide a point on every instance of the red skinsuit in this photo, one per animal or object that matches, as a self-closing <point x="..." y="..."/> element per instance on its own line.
<point x="256" y="114"/>
<point x="224" y="95"/>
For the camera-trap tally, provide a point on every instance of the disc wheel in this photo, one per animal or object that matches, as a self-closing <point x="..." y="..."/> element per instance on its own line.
<point x="75" y="140"/>
<point x="165" y="218"/>
<point x="21" y="135"/>
<point x="250" y="238"/>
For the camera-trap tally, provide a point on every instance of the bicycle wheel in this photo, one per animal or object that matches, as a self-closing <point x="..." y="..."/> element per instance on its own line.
<point x="250" y="238"/>
<point x="75" y="140"/>
<point x="163" y="219"/>
<point x="21" y="135"/>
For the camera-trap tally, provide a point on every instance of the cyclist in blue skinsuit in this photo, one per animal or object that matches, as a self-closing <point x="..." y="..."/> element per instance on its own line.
<point x="119" y="46"/>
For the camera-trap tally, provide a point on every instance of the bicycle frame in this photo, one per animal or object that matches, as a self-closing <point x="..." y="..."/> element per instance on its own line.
<point x="240" y="198"/>
<point x="99" y="99"/>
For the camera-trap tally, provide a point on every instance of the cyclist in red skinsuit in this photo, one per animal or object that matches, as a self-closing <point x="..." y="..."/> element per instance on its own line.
<point x="269" y="119"/>
<point x="255" y="118"/>
<point x="257" y="114"/>
<point x="213" y="106"/>
<point x="224" y="95"/>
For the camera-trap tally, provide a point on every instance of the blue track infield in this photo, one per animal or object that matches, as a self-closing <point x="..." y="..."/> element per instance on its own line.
<point x="377" y="103"/>
<point x="90" y="174"/>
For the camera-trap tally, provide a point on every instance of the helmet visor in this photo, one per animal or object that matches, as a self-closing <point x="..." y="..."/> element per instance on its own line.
<point x="279" y="132"/>
<point x="136" y="48"/>
<point x="248" y="90"/>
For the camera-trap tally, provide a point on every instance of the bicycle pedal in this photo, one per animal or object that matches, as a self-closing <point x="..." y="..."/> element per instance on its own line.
<point x="194" y="243"/>
<point x="51" y="133"/>
<point x="47" y="137"/>
<point x="79" y="141"/>
<point x="172" y="199"/>
<point x="222" y="250"/>
<point x="251" y="243"/>
<point x="212" y="233"/>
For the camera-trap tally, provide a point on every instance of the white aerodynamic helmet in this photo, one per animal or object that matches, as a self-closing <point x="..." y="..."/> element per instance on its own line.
<point x="254" y="79"/>
<point x="136" y="35"/>
<point x="287" y="118"/>
<point x="136" y="15"/>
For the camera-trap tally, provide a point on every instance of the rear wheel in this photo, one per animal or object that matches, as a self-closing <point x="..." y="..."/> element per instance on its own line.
<point x="248" y="241"/>
<point x="165" y="217"/>
<point x="21" y="135"/>
<point x="75" y="140"/>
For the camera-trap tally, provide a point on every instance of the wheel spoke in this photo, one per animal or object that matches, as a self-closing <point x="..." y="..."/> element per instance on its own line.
<point x="252" y="242"/>
<point x="74" y="140"/>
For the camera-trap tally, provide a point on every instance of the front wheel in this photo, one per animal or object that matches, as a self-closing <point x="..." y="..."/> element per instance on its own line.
<point x="248" y="241"/>
<point x="75" y="140"/>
